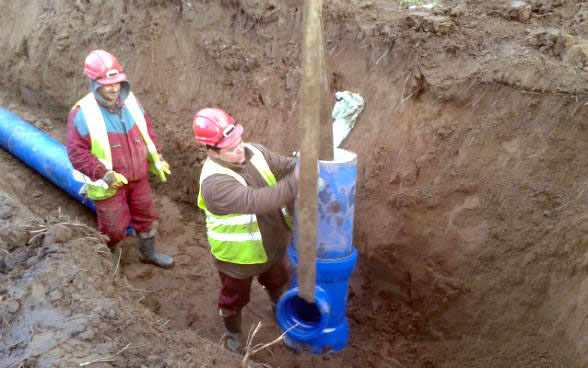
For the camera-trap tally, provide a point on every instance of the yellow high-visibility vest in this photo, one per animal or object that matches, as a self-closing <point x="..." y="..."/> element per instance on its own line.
<point x="98" y="189"/>
<point x="236" y="238"/>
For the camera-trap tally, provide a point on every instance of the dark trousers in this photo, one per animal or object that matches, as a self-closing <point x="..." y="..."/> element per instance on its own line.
<point x="235" y="293"/>
<point x="131" y="205"/>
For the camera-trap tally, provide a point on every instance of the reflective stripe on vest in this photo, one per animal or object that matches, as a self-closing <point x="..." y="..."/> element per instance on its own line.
<point x="153" y="157"/>
<point x="235" y="238"/>
<point x="98" y="189"/>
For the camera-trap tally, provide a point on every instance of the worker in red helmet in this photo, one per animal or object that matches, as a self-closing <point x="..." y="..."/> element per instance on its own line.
<point x="112" y="147"/>
<point x="244" y="191"/>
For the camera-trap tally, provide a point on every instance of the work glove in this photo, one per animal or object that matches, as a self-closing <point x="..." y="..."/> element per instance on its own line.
<point x="165" y="167"/>
<point x="114" y="180"/>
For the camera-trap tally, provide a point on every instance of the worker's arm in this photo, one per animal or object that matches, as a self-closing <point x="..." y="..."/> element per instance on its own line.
<point x="281" y="166"/>
<point x="150" y="129"/>
<point x="225" y="195"/>
<point x="153" y="136"/>
<point x="79" y="147"/>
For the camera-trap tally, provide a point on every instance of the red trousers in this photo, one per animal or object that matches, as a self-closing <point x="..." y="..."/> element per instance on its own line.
<point x="131" y="205"/>
<point x="235" y="293"/>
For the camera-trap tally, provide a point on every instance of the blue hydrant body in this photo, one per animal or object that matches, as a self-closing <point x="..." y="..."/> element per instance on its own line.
<point x="322" y="327"/>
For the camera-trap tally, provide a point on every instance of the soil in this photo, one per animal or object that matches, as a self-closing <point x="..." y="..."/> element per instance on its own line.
<point x="471" y="217"/>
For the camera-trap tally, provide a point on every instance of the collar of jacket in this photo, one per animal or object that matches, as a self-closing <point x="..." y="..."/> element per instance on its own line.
<point x="125" y="89"/>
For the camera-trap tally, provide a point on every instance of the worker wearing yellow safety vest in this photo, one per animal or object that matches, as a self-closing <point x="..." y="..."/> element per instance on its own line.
<point x="244" y="191"/>
<point x="112" y="147"/>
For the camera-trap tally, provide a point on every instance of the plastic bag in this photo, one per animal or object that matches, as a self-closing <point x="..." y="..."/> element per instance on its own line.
<point x="345" y="112"/>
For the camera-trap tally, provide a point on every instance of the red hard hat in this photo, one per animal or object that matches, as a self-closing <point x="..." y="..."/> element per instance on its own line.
<point x="103" y="67"/>
<point x="216" y="128"/>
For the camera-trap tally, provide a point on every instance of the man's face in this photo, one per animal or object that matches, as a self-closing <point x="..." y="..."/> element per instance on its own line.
<point x="233" y="155"/>
<point x="110" y="92"/>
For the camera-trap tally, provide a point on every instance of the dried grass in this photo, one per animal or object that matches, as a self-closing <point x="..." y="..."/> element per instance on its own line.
<point x="111" y="358"/>
<point x="250" y="351"/>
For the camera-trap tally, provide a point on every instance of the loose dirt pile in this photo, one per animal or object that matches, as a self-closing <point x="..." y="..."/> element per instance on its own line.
<point x="65" y="304"/>
<point x="471" y="216"/>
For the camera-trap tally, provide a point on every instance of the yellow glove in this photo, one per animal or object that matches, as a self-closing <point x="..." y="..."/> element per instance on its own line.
<point x="114" y="180"/>
<point x="165" y="167"/>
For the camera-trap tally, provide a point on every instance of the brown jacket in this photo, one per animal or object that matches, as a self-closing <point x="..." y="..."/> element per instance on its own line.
<point x="224" y="195"/>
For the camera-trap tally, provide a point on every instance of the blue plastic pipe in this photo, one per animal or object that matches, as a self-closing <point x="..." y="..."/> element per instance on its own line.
<point x="322" y="327"/>
<point x="39" y="151"/>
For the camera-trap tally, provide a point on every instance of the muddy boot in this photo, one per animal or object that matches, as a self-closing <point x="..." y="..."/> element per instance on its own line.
<point x="147" y="254"/>
<point x="233" y="335"/>
<point x="275" y="295"/>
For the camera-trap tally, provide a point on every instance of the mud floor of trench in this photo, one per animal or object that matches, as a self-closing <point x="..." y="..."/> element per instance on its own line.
<point x="471" y="215"/>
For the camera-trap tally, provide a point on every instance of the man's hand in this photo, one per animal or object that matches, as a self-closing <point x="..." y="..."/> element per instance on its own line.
<point x="114" y="180"/>
<point x="165" y="167"/>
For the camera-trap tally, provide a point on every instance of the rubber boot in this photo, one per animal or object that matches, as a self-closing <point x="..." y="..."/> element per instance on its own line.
<point x="233" y="334"/>
<point x="275" y="295"/>
<point x="147" y="254"/>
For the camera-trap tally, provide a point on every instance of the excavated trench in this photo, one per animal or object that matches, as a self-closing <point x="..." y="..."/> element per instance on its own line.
<point x="470" y="217"/>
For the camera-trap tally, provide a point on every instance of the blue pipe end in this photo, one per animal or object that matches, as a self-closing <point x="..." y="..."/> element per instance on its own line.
<point x="307" y="320"/>
<point x="320" y="327"/>
<point x="42" y="153"/>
